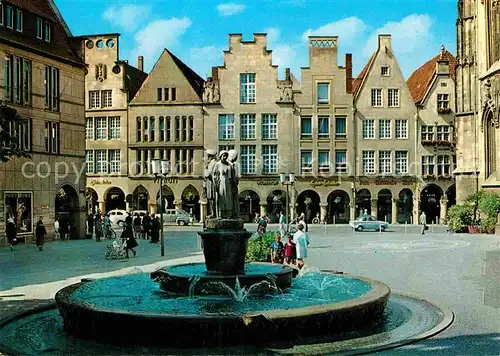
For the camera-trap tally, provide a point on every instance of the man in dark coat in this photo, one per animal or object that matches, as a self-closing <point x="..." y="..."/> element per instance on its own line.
<point x="155" y="230"/>
<point x="40" y="233"/>
<point x="128" y="236"/>
<point x="11" y="232"/>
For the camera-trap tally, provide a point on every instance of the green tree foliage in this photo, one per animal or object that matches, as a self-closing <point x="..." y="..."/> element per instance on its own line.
<point x="259" y="247"/>
<point x="480" y="208"/>
<point x="459" y="217"/>
<point x="8" y="142"/>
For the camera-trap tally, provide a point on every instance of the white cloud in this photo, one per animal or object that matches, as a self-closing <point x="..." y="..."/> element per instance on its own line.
<point x="273" y="35"/>
<point x="230" y="8"/>
<point x="157" y="35"/>
<point x="348" y="29"/>
<point x="201" y="59"/>
<point x="128" y="17"/>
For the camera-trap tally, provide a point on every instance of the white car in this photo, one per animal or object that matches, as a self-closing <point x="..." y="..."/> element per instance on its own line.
<point x="117" y="217"/>
<point x="368" y="222"/>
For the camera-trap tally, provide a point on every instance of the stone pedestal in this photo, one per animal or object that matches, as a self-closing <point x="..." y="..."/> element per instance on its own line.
<point x="225" y="244"/>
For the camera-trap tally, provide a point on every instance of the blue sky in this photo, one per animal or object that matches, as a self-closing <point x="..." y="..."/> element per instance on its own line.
<point x="197" y="30"/>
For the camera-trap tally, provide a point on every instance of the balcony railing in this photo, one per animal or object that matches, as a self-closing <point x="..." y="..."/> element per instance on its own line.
<point x="437" y="142"/>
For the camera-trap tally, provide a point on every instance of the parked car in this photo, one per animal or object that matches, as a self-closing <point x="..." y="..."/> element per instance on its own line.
<point x="180" y="217"/>
<point x="368" y="222"/>
<point x="141" y="213"/>
<point x="117" y="216"/>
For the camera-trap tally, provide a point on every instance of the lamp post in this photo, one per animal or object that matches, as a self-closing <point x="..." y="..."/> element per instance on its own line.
<point x="160" y="170"/>
<point x="289" y="182"/>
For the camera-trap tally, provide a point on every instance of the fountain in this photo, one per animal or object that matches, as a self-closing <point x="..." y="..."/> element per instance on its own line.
<point x="223" y="303"/>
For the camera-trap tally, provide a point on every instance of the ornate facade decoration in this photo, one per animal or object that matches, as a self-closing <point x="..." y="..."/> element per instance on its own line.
<point x="100" y="72"/>
<point x="285" y="88"/>
<point x="491" y="99"/>
<point x="211" y="91"/>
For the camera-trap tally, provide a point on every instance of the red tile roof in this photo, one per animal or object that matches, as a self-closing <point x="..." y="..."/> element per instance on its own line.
<point x="421" y="79"/>
<point x="356" y="85"/>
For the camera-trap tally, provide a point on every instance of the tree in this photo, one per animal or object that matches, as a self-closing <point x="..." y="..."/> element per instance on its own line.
<point x="9" y="142"/>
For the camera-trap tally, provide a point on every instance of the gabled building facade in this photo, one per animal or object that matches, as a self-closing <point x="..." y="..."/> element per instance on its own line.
<point x="433" y="89"/>
<point x="110" y="84"/>
<point x="385" y="139"/>
<point x="166" y="122"/>
<point x="478" y="97"/>
<point x="43" y="79"/>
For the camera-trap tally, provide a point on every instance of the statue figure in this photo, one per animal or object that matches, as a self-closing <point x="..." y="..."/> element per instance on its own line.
<point x="208" y="90"/>
<point x="208" y="183"/>
<point x="233" y="156"/>
<point x="224" y="186"/>
<point x="216" y="93"/>
<point x="285" y="91"/>
<point x="100" y="72"/>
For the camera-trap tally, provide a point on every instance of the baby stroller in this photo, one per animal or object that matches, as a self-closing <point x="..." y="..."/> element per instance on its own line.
<point x="115" y="251"/>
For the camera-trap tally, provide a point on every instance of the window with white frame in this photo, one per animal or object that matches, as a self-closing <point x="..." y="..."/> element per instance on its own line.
<point x="89" y="128"/>
<point x="341" y="161"/>
<point x="401" y="162"/>
<point x="89" y="161"/>
<point x="247" y="88"/>
<point x="138" y="132"/>
<point x="368" y="129"/>
<point x="226" y="147"/>
<point x="17" y="80"/>
<point x="52" y="137"/>
<point x="177" y="128"/>
<point x="152" y="126"/>
<point x="306" y="127"/>
<point x="161" y="137"/>
<point x="51" y="88"/>
<point x="94" y="99"/>
<point x="39" y="28"/>
<point x="101" y="161"/>
<point x="443" y="101"/>
<point x="247" y="126"/>
<point x="9" y="17"/>
<point x="247" y="161"/>
<point x="226" y="127"/>
<point x="306" y="162"/>
<point x="376" y="97"/>
<point x="385" y="162"/>
<point x="107" y="98"/>
<point x="324" y="161"/>
<point x="169" y="128"/>
<point x="270" y="159"/>
<point x="427" y="165"/>
<point x="323" y="93"/>
<point x="114" y="128"/>
<point x="101" y="128"/>
<point x="184" y="129"/>
<point x="20" y="131"/>
<point x="340" y="127"/>
<point x="368" y="162"/>
<point x="401" y="129"/>
<point x="393" y="98"/>
<point x="384" y="129"/>
<point x="269" y="126"/>
<point x="1" y="14"/>
<point x="47" y="31"/>
<point x="323" y="127"/>
<point x="427" y="133"/>
<point x="443" y="133"/>
<point x="444" y="165"/>
<point x="114" y="161"/>
<point x="19" y="20"/>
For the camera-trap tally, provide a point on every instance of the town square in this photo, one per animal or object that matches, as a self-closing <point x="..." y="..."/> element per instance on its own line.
<point x="217" y="178"/>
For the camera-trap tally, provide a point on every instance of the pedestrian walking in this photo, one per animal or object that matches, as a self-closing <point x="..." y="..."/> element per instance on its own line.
<point x="40" y="233"/>
<point x="290" y="251"/>
<point x="137" y="225"/>
<point x="155" y="229"/>
<point x="282" y="224"/>
<point x="67" y="229"/>
<point x="129" y="241"/>
<point x="146" y="225"/>
<point x="11" y="232"/>
<point x="57" y="231"/>
<point x="98" y="228"/>
<point x="302" y="220"/>
<point x="106" y="226"/>
<point x="423" y="222"/>
<point x="301" y="241"/>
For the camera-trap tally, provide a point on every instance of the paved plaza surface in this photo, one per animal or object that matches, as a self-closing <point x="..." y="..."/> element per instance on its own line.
<point x="458" y="271"/>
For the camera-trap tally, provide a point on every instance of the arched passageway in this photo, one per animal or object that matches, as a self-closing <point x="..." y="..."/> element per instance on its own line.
<point x="191" y="201"/>
<point x="92" y="201"/>
<point x="363" y="202"/>
<point x="338" y="211"/>
<point x="384" y="205"/>
<point x="67" y="210"/>
<point x="276" y="202"/>
<point x="168" y="199"/>
<point x="451" y="196"/>
<point x="430" y="202"/>
<point x="249" y="205"/>
<point x="115" y="199"/>
<point x="405" y="207"/>
<point x="140" y="198"/>
<point x="308" y="203"/>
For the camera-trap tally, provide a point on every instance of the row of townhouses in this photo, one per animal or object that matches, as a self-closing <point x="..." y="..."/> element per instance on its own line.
<point x="376" y="143"/>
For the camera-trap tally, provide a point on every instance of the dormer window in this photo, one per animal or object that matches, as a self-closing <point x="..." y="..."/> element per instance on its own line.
<point x="9" y="17"/>
<point x="19" y="21"/>
<point x="39" y="28"/>
<point x="384" y="71"/>
<point x="47" y="32"/>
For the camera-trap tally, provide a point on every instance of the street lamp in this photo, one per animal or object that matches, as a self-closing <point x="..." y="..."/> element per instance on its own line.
<point x="160" y="169"/>
<point x="289" y="182"/>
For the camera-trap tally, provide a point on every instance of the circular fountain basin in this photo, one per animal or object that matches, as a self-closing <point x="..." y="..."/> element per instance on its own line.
<point x="193" y="278"/>
<point x="133" y="309"/>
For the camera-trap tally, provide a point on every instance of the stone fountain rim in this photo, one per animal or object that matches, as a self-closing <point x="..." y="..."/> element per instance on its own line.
<point x="379" y="294"/>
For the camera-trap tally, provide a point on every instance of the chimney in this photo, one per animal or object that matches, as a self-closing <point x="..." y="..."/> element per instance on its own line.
<point x="348" y="72"/>
<point x="288" y="77"/>
<point x="384" y="41"/>
<point x="140" y="63"/>
<point x="215" y="73"/>
<point x="443" y="64"/>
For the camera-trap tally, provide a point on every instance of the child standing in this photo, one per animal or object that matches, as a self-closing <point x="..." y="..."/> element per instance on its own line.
<point x="290" y="250"/>
<point x="277" y="250"/>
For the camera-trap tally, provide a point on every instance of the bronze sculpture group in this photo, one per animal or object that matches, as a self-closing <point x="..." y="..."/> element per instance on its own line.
<point x="220" y="186"/>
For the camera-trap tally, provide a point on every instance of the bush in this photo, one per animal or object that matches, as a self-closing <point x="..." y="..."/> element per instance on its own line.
<point x="459" y="217"/>
<point x="258" y="247"/>
<point x="489" y="205"/>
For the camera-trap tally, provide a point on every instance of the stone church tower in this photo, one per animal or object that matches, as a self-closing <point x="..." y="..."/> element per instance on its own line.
<point x="477" y="97"/>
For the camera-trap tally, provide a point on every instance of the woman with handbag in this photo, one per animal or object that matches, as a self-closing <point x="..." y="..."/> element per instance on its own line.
<point x="129" y="241"/>
<point x="11" y="232"/>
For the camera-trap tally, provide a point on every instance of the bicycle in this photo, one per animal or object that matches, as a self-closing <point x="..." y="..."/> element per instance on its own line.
<point x="111" y="234"/>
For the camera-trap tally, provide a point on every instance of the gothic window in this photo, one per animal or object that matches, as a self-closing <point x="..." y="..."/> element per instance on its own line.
<point x="494" y="35"/>
<point x="491" y="146"/>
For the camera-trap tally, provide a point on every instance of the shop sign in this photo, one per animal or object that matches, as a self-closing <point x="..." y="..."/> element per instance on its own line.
<point x="267" y="182"/>
<point x="100" y="182"/>
<point x="386" y="182"/>
<point x="171" y="180"/>
<point x="44" y="207"/>
<point x="19" y="207"/>
<point x="324" y="183"/>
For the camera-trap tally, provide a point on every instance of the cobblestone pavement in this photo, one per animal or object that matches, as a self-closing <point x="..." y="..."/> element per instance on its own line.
<point x="461" y="272"/>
